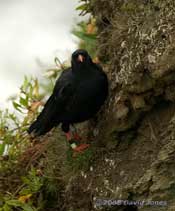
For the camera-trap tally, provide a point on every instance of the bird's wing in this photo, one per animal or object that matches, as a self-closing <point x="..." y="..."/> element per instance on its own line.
<point x="64" y="90"/>
<point x="55" y="105"/>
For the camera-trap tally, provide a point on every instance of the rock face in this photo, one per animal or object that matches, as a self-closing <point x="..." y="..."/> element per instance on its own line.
<point x="137" y="44"/>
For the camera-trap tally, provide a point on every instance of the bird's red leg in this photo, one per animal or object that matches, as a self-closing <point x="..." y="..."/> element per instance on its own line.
<point x="68" y="136"/>
<point x="76" y="135"/>
<point x="72" y="137"/>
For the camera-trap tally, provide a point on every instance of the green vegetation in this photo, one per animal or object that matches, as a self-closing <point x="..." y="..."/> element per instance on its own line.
<point x="22" y="198"/>
<point x="87" y="34"/>
<point x="29" y="174"/>
<point x="81" y="161"/>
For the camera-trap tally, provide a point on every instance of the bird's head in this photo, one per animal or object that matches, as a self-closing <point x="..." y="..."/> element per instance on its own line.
<point x="80" y="58"/>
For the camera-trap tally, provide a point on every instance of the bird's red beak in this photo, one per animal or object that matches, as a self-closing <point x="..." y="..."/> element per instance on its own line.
<point x="80" y="58"/>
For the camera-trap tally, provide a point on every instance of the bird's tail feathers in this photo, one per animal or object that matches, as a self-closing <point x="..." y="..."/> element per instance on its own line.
<point x="45" y="121"/>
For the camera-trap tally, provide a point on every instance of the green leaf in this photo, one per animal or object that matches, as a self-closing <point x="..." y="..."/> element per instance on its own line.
<point x="25" y="191"/>
<point x="25" y="180"/>
<point x="23" y="101"/>
<point x="25" y="83"/>
<point x="30" y="91"/>
<point x="82" y="7"/>
<point x="2" y="148"/>
<point x="6" y="208"/>
<point x="27" y="207"/>
<point x="16" y="106"/>
<point x="14" y="203"/>
<point x="84" y="36"/>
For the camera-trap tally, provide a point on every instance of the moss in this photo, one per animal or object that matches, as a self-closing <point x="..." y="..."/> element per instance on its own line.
<point x="80" y="161"/>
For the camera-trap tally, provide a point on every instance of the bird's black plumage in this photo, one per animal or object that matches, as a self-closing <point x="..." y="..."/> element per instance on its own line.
<point x="77" y="96"/>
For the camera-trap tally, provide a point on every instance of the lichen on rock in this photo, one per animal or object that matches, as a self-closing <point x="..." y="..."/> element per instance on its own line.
<point x="135" y="145"/>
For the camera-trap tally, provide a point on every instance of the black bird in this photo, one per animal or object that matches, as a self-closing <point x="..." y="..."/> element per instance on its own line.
<point x="78" y="94"/>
